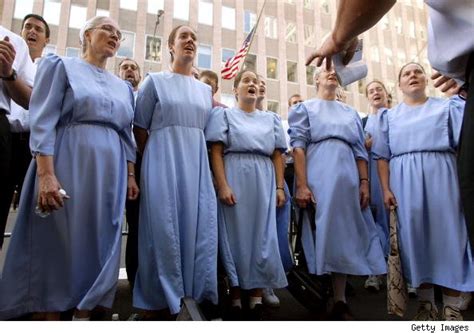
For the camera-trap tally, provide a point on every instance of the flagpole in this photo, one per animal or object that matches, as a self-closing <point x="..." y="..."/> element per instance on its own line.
<point x="255" y="27"/>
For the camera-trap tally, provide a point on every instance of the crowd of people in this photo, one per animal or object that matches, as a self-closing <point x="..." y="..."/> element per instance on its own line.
<point x="202" y="183"/>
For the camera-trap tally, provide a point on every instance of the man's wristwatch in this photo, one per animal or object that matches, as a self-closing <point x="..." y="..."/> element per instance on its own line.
<point x="12" y="77"/>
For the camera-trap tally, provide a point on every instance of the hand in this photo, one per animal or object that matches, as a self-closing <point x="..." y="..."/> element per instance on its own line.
<point x="368" y="143"/>
<point x="364" y="194"/>
<point x="281" y="198"/>
<point x="226" y="196"/>
<point x="304" y="197"/>
<point x="330" y="48"/>
<point x="389" y="199"/>
<point x="132" y="188"/>
<point x="7" y="56"/>
<point x="49" y="198"/>
<point x="446" y="84"/>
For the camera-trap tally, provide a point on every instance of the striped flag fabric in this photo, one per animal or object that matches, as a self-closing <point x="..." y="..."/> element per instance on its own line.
<point x="231" y="67"/>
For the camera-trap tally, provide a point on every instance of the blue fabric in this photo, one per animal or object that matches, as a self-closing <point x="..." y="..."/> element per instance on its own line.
<point x="345" y="240"/>
<point x="178" y="212"/>
<point x="420" y="141"/>
<point x="82" y="115"/>
<point x="248" y="240"/>
<point x="381" y="215"/>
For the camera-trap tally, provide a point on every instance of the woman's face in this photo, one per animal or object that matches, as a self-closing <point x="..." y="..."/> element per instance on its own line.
<point x="327" y="79"/>
<point x="377" y="95"/>
<point x="412" y="80"/>
<point x="247" y="89"/>
<point x="184" y="45"/>
<point x="105" y="38"/>
<point x="262" y="88"/>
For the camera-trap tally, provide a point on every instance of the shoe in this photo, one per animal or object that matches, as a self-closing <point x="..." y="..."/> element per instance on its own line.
<point x="372" y="283"/>
<point x="235" y="313"/>
<point x="411" y="291"/>
<point x="256" y="314"/>
<point x="426" y="312"/>
<point x="451" y="313"/>
<point x="341" y="312"/>
<point x="466" y="300"/>
<point x="270" y="299"/>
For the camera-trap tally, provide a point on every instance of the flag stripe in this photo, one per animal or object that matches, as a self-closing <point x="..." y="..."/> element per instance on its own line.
<point x="231" y="66"/>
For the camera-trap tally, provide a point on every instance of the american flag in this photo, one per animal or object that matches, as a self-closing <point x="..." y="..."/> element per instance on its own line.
<point x="231" y="67"/>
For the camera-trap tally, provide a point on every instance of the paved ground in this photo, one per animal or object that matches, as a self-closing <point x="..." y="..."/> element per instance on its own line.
<point x="364" y="305"/>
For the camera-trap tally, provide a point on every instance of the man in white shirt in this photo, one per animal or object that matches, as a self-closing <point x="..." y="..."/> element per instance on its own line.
<point x="17" y="76"/>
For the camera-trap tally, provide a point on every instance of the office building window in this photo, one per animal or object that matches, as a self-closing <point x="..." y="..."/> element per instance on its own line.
<point x="22" y="8"/>
<point x="272" y="68"/>
<point x="155" y="5"/>
<point x="309" y="75"/>
<point x="388" y="56"/>
<point x="325" y="7"/>
<point x="52" y="12"/>
<point x="250" y="62"/>
<point x="227" y="54"/>
<point x="73" y="52"/>
<point x="271" y="27"/>
<point x="273" y="106"/>
<point x="309" y="36"/>
<point x="402" y="57"/>
<point x="127" y="48"/>
<point x="153" y="48"/>
<point x="49" y="49"/>
<point x="205" y="12"/>
<point x="384" y="22"/>
<point x="374" y="53"/>
<point x="291" y="32"/>
<point x="204" y="56"/>
<point x="292" y="71"/>
<point x="249" y="21"/>
<point x="129" y="4"/>
<point x="181" y="10"/>
<point x="77" y="16"/>
<point x="228" y="18"/>
<point x="308" y="4"/>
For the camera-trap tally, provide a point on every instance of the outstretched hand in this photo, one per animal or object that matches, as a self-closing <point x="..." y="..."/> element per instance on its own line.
<point x="330" y="48"/>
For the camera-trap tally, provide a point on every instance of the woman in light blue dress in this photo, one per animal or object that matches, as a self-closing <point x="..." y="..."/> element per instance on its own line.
<point x="177" y="252"/>
<point x="246" y="147"/>
<point x="81" y="119"/>
<point x="331" y="172"/>
<point x="415" y="143"/>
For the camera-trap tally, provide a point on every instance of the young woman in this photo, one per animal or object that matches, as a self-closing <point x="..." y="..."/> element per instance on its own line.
<point x="415" y="144"/>
<point x="331" y="173"/>
<point x="246" y="148"/>
<point x="81" y="138"/>
<point x="178" y="209"/>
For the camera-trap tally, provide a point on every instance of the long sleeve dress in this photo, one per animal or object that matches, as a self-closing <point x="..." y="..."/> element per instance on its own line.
<point x="345" y="240"/>
<point x="419" y="142"/>
<point x="248" y="242"/>
<point x="177" y="254"/>
<point x="81" y="115"/>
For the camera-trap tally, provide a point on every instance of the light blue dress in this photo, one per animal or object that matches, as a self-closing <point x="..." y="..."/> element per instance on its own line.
<point x="283" y="218"/>
<point x="420" y="142"/>
<point x="81" y="115"/>
<point x="381" y="215"/>
<point x="177" y="238"/>
<point x="345" y="240"/>
<point x="248" y="242"/>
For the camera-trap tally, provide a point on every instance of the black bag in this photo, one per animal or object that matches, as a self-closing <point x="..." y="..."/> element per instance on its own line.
<point x="310" y="290"/>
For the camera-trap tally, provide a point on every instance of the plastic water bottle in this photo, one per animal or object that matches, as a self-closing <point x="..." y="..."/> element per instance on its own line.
<point x="42" y="214"/>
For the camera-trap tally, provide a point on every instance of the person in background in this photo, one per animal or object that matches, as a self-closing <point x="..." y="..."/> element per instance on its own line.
<point x="65" y="249"/>
<point x="16" y="79"/>
<point x="129" y="70"/>
<point x="210" y="78"/>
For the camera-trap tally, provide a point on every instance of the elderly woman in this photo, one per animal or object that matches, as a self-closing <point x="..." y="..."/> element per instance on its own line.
<point x="331" y="173"/>
<point x="246" y="148"/>
<point x="415" y="144"/>
<point x="178" y="211"/>
<point x="81" y="138"/>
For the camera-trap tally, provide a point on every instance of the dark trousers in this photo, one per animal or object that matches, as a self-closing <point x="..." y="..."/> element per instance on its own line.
<point x="132" y="210"/>
<point x="466" y="154"/>
<point x="5" y="165"/>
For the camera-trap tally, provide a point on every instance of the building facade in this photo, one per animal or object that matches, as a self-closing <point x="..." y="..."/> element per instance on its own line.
<point x="287" y="32"/>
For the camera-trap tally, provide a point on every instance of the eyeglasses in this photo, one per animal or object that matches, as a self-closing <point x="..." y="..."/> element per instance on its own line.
<point x="111" y="30"/>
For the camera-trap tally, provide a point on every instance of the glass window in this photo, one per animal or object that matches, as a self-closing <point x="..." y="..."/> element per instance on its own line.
<point x="309" y="37"/>
<point x="72" y="52"/>
<point x="250" y="62"/>
<point x="77" y="16"/>
<point x="272" y="68"/>
<point x="228" y="18"/>
<point x="325" y="7"/>
<point x="402" y="57"/>
<point x="292" y="69"/>
<point x="227" y="54"/>
<point x="153" y="48"/>
<point x="49" y="49"/>
<point x="181" y="10"/>
<point x="273" y="106"/>
<point x="374" y="53"/>
<point x="128" y="45"/>
<point x="398" y="25"/>
<point x="310" y="74"/>
<point x="129" y="4"/>
<point x="291" y="32"/>
<point x="249" y="21"/>
<point x="384" y="22"/>
<point x="271" y="27"/>
<point x="205" y="12"/>
<point x="102" y="12"/>
<point x="204" y="56"/>
<point x="52" y="12"/>
<point x="388" y="55"/>
<point x="23" y="8"/>
<point x="308" y="4"/>
<point x="228" y="99"/>
<point x="411" y="29"/>
<point x="155" y="5"/>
